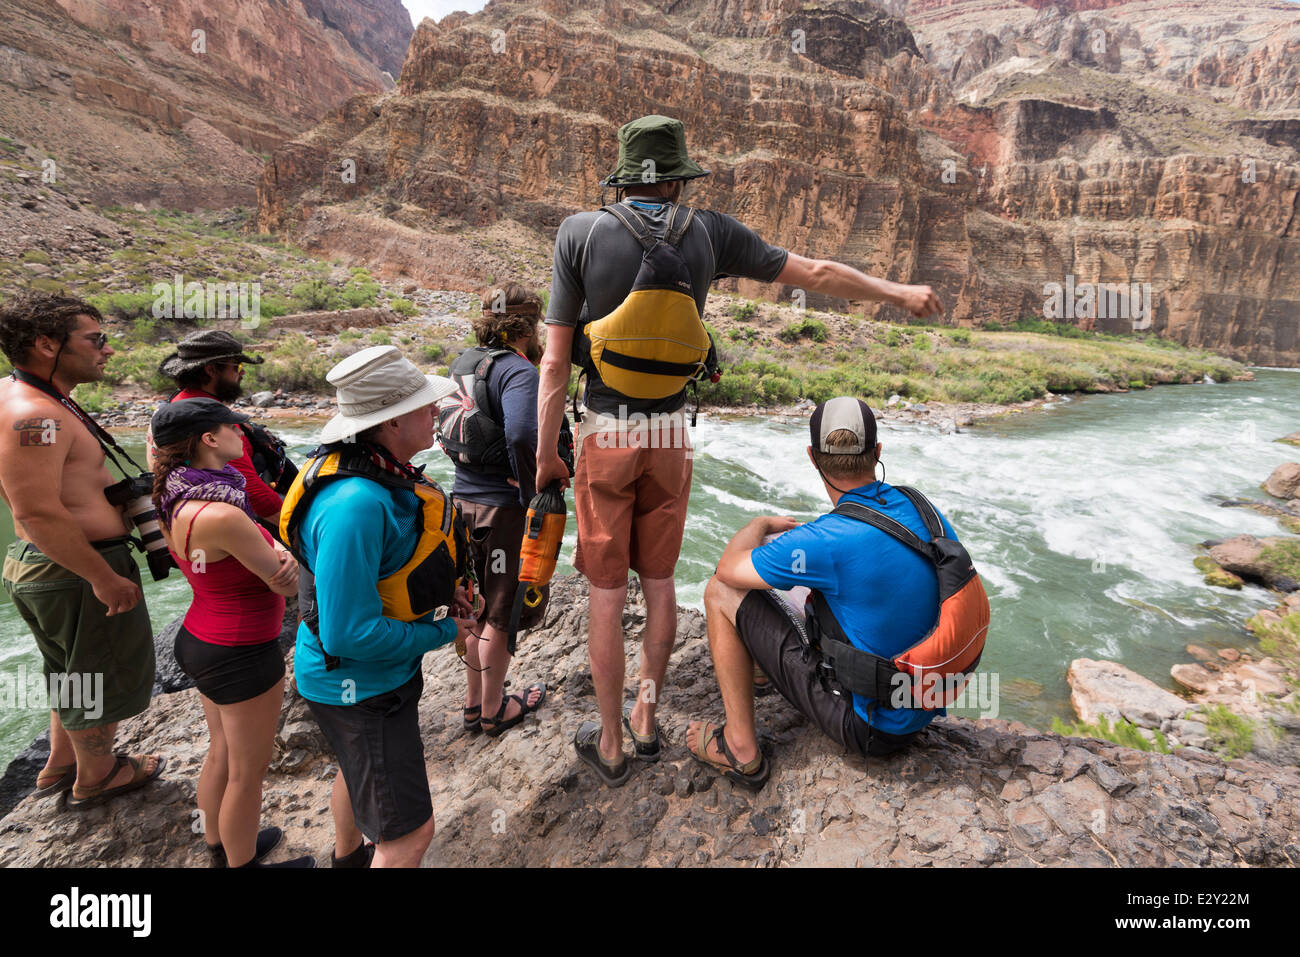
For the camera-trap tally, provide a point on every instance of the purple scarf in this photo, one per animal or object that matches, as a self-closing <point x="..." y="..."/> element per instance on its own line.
<point x="204" y="485"/>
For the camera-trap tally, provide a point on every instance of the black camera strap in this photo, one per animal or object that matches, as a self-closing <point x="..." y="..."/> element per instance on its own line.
<point x="101" y="435"/>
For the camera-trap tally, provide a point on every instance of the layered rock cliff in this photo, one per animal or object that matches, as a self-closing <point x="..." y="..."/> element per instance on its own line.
<point x="986" y="147"/>
<point x="177" y="102"/>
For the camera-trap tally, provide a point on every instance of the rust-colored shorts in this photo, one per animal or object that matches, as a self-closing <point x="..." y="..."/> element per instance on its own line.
<point x="631" y="504"/>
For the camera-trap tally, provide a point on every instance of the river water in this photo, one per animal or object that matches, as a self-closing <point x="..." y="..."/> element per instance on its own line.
<point x="1081" y="518"/>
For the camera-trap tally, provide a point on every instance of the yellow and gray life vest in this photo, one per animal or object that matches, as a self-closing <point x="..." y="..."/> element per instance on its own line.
<point x="654" y="343"/>
<point x="426" y="582"/>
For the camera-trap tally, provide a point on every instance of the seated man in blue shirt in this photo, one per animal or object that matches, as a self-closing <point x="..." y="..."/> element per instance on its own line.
<point x="882" y="593"/>
<point x="382" y="553"/>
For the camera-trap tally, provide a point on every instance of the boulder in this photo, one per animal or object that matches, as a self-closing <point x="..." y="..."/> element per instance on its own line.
<point x="1245" y="555"/>
<point x="1106" y="687"/>
<point x="1193" y="677"/>
<point x="262" y="400"/>
<point x="1285" y="481"/>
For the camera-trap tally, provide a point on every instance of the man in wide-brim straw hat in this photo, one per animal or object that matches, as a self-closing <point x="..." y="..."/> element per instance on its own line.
<point x="382" y="555"/>
<point x="631" y="499"/>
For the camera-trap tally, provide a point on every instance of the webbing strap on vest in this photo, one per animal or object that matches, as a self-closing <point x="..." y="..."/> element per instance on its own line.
<point x="636" y="225"/>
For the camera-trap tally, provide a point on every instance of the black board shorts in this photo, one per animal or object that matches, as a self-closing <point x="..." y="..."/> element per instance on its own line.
<point x="229" y="674"/>
<point x="777" y="647"/>
<point x="381" y="757"/>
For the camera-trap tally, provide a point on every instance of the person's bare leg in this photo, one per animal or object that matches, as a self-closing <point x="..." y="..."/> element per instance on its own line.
<point x="212" y="778"/>
<point x="496" y="662"/>
<point x="61" y="753"/>
<point x="473" y="679"/>
<point x="734" y="668"/>
<point x="406" y="851"/>
<point x="656" y="647"/>
<point x="347" y="836"/>
<point x="250" y="736"/>
<point x="94" y="750"/>
<point x="605" y="651"/>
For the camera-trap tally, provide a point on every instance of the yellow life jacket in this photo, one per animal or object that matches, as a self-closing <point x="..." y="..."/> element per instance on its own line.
<point x="426" y="581"/>
<point x="654" y="343"/>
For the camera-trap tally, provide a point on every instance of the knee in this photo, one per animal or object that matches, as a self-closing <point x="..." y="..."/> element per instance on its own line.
<point x="719" y="596"/>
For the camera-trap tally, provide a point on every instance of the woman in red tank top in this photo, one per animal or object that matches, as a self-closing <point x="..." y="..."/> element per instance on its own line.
<point x="228" y="642"/>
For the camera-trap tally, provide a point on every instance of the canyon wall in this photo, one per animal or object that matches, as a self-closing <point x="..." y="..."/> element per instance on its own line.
<point x="986" y="148"/>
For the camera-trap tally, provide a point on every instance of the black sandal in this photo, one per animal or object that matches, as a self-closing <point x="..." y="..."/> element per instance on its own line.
<point x="499" y="725"/>
<point x="587" y="743"/>
<point x="645" y="747"/>
<point x="471" y="724"/>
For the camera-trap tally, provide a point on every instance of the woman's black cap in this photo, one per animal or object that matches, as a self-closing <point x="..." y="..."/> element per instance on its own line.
<point x="176" y="421"/>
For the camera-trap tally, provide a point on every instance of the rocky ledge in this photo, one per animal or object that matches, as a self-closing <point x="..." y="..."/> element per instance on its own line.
<point x="967" y="793"/>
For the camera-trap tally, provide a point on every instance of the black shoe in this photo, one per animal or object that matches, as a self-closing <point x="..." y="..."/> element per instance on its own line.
<point x="645" y="747"/>
<point x="361" y="857"/>
<point x="587" y="743"/>
<point x="268" y="839"/>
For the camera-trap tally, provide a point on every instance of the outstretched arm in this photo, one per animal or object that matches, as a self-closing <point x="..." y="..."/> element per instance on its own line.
<point x="845" y="282"/>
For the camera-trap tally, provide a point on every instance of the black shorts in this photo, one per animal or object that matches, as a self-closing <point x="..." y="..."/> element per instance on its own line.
<point x="496" y="533"/>
<point x="381" y="757"/>
<point x="777" y="648"/>
<point x="226" y="674"/>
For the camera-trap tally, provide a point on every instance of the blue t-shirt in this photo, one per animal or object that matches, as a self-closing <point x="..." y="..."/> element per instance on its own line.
<point x="883" y="594"/>
<point x="355" y="533"/>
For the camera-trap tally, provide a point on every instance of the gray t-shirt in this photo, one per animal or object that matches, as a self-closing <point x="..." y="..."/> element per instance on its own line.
<point x="597" y="259"/>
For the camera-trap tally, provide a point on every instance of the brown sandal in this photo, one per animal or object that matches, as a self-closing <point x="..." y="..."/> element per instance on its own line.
<point x="753" y="774"/>
<point x="101" y="793"/>
<point x="64" y="778"/>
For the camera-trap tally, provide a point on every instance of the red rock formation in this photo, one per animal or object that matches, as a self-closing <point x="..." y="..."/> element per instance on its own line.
<point x="1029" y="145"/>
<point x="111" y="89"/>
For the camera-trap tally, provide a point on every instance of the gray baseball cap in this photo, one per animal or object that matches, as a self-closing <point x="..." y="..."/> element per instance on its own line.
<point x="843" y="412"/>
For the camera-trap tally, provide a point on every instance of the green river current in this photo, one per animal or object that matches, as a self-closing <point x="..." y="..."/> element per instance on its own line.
<point x="1082" y="519"/>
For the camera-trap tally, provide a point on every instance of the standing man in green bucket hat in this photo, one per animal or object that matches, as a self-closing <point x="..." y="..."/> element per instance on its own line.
<point x="639" y="272"/>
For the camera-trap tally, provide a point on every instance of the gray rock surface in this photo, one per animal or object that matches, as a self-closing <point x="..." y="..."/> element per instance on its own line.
<point x="1105" y="687"/>
<point x="989" y="793"/>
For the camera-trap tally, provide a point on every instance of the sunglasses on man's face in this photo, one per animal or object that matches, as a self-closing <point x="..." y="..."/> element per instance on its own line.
<point x="97" y="339"/>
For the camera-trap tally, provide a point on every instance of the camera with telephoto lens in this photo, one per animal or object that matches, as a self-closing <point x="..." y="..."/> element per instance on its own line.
<point x="136" y="496"/>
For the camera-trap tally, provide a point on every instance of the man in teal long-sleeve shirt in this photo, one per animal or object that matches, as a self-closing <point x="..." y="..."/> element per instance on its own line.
<point x="358" y="517"/>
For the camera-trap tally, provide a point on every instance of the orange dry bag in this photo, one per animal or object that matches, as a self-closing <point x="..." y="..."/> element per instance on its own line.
<point x="543" y="536"/>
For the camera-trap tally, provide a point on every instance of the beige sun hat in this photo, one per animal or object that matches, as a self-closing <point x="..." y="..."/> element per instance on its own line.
<point x="375" y="385"/>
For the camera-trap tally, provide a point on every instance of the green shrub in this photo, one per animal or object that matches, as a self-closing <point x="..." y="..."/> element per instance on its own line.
<point x="1124" y="732"/>
<point x="125" y="305"/>
<point x="380" y="337"/>
<point x="403" y="307"/>
<point x="36" y="256"/>
<point x="348" y="335"/>
<point x="295" y="364"/>
<point x="360" y="291"/>
<point x="94" y="396"/>
<point x="315" y="295"/>
<point x="807" y="328"/>
<point x="743" y="312"/>
<point x="893" y="338"/>
<point x="960" y="336"/>
<point x="137" y="362"/>
<point x="1231" y="734"/>
<point x="433" y="352"/>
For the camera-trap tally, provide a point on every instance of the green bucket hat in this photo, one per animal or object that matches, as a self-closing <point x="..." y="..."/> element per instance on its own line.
<point x="652" y="150"/>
